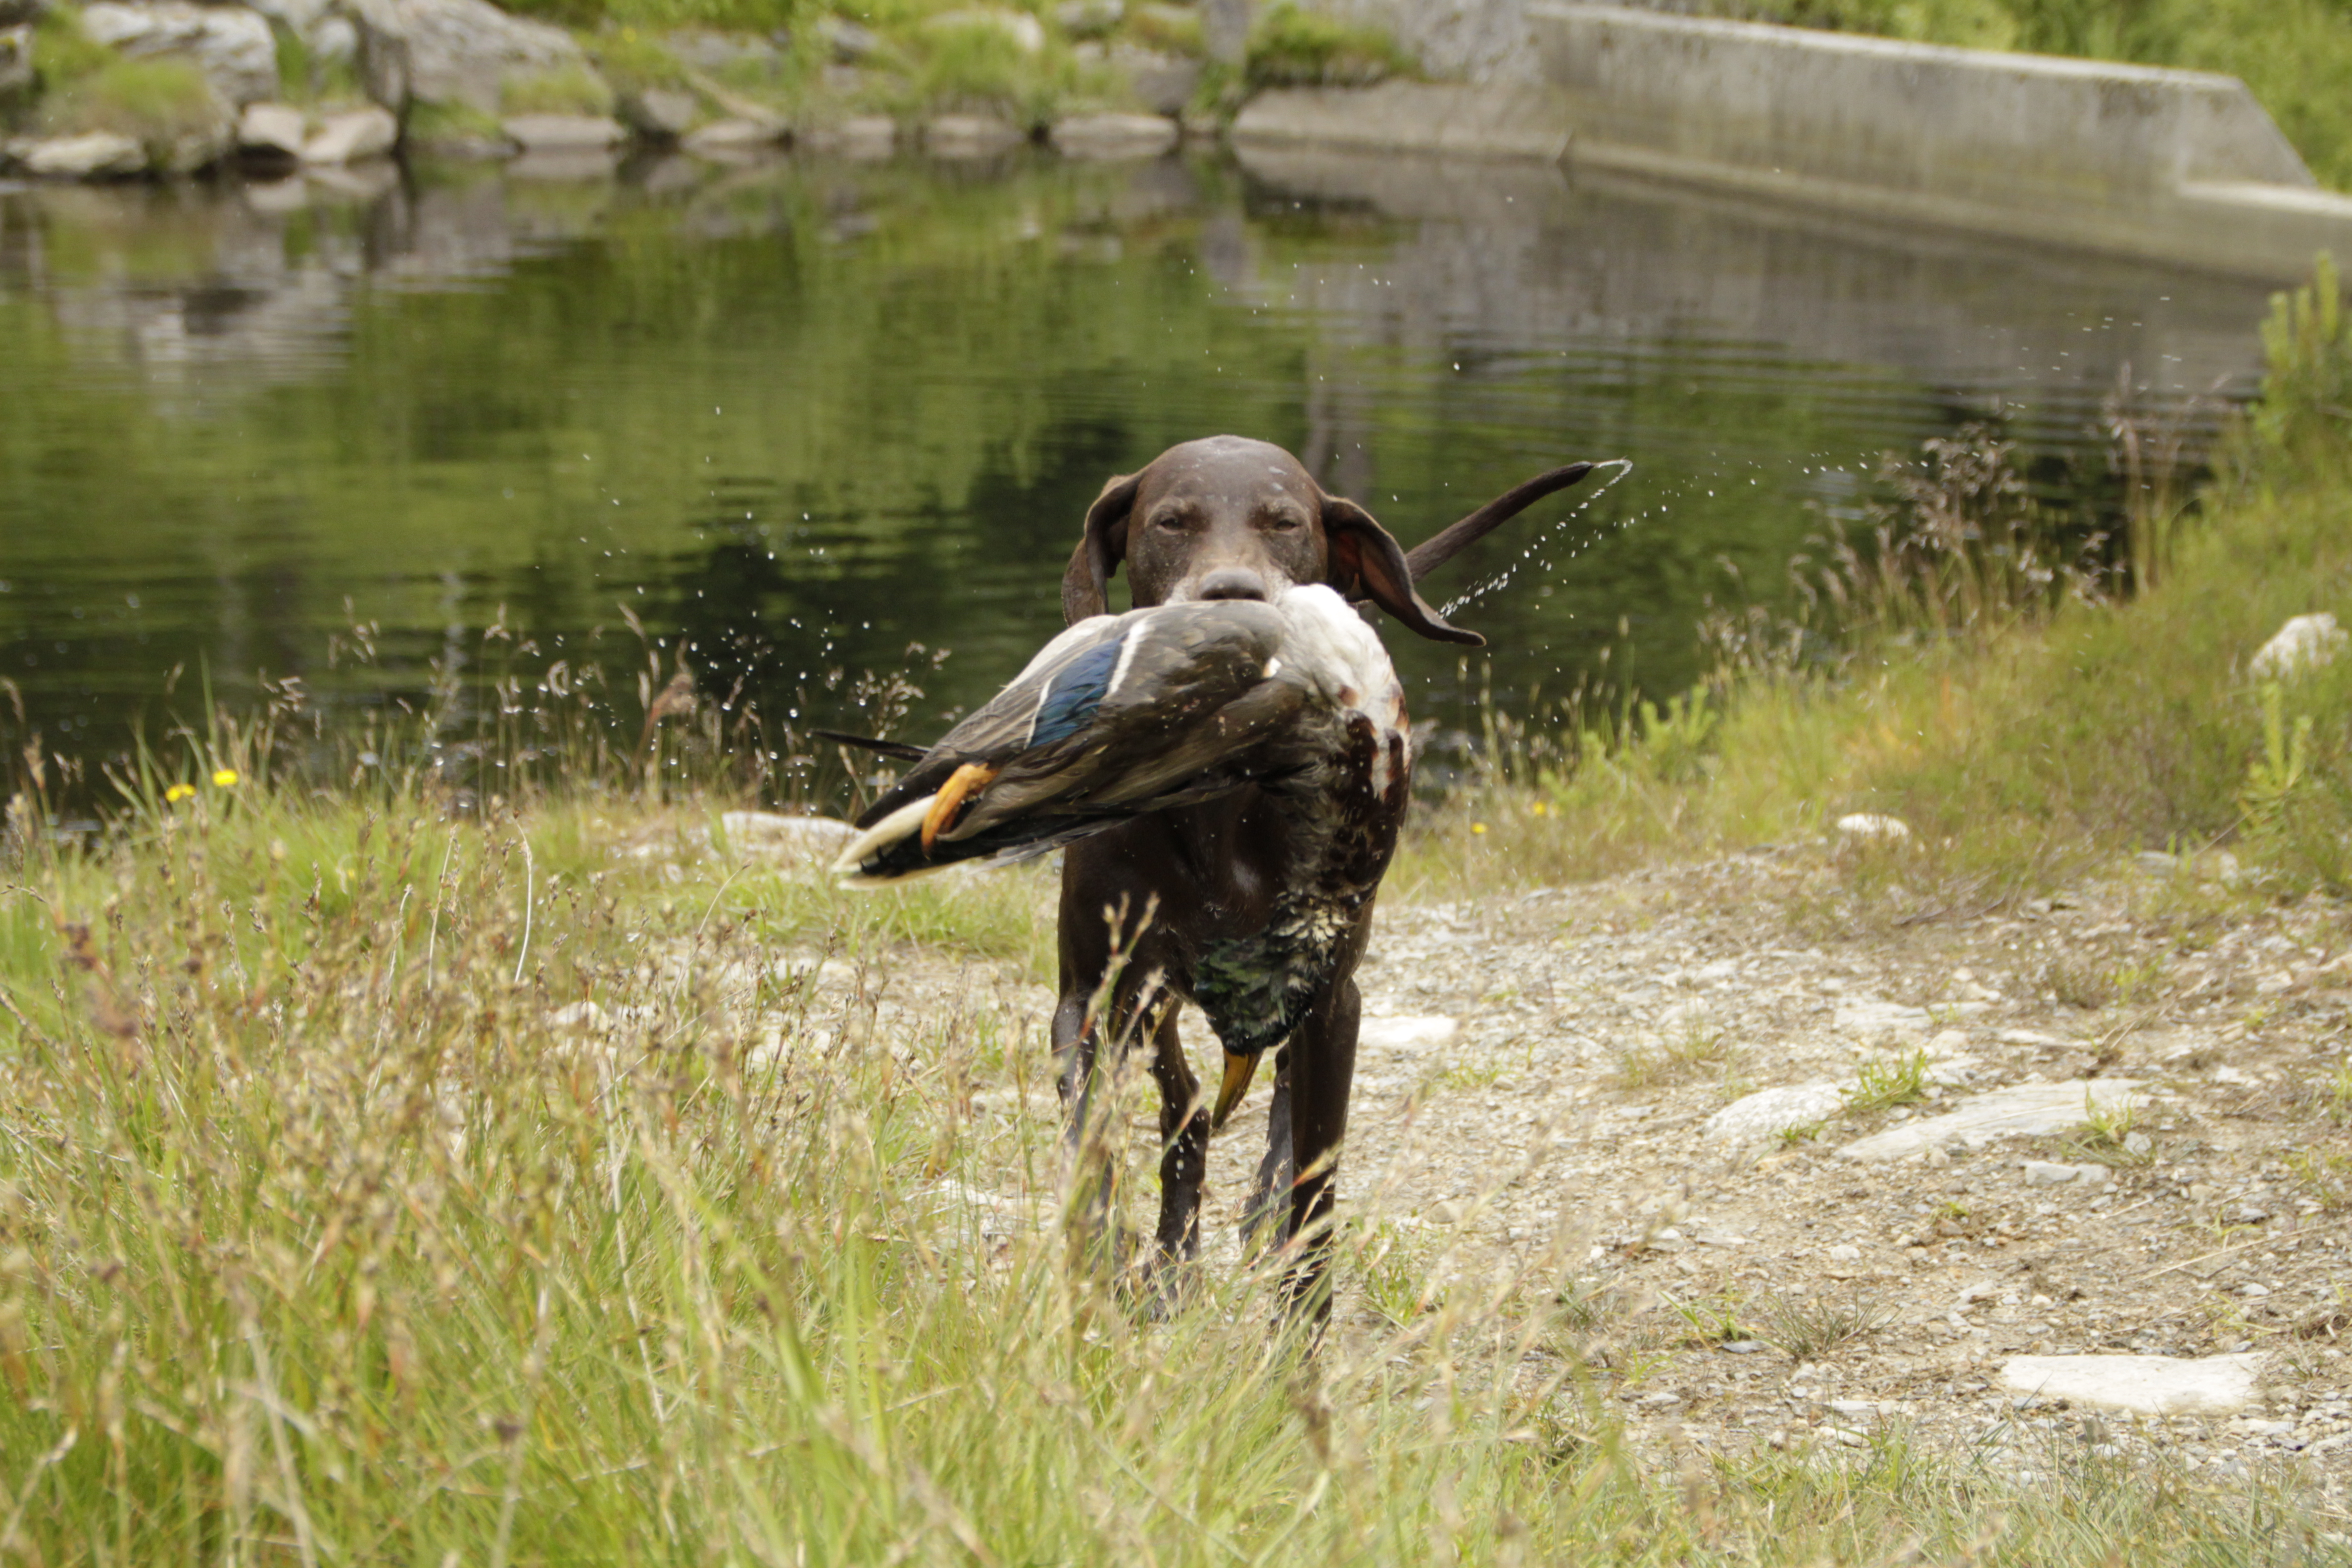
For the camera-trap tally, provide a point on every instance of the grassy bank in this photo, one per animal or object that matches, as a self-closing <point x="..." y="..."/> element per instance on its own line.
<point x="383" y="1182"/>
<point x="2296" y="54"/>
<point x="2022" y="718"/>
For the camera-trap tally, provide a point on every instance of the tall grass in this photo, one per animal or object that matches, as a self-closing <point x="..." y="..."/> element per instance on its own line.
<point x="334" y="1228"/>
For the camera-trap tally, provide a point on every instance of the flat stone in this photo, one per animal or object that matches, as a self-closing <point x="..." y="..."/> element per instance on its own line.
<point x="1873" y="824"/>
<point x="969" y="136"/>
<point x="866" y="136"/>
<point x="2145" y="1384"/>
<point x="94" y="155"/>
<point x="2028" y="1111"/>
<point x="2051" y="1173"/>
<point x="1108" y="136"/>
<point x="1868" y="1017"/>
<point x="352" y="135"/>
<point x="1768" y="1112"/>
<point x="271" y="128"/>
<point x="563" y="133"/>
<point x="1405" y="1034"/>
<point x="232" y="46"/>
<point x="725" y="136"/>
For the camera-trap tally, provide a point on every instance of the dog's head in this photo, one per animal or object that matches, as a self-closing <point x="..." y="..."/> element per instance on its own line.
<point x="1228" y="518"/>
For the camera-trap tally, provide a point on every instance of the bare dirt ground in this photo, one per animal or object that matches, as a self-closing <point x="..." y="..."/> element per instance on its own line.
<point x="1542" y="1068"/>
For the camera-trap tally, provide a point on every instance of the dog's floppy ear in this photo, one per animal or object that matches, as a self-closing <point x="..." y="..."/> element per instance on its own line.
<point x="1086" y="584"/>
<point x="1367" y="562"/>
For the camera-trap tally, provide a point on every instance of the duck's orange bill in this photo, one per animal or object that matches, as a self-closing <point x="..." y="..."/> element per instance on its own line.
<point x="948" y="804"/>
<point x="1239" y="1070"/>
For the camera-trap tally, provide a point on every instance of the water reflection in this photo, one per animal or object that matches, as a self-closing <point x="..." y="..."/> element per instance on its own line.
<point x="799" y="416"/>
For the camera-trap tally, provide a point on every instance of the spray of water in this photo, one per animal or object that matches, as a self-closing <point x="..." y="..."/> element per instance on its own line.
<point x="1535" y="547"/>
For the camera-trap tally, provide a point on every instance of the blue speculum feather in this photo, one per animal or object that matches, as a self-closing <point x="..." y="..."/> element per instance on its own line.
<point x="1075" y="692"/>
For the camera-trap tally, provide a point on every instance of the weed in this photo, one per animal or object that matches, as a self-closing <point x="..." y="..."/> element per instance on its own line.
<point x="1696" y="1050"/>
<point x="1393" y="1269"/>
<point x="2109" y="1136"/>
<point x="1886" y="1082"/>
<point x="1808" y="1328"/>
<point x="1464" y="1075"/>
<point x="2323" y="1178"/>
<point x="155" y="102"/>
<point x="1717" y="1318"/>
<point x="2331" y="1096"/>
<point x="1801" y="1132"/>
<point x="569" y="90"/>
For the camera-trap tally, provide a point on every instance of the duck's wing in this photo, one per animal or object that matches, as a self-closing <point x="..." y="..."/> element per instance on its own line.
<point x="1148" y="709"/>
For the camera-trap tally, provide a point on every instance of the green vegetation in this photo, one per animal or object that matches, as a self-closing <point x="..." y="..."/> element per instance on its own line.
<point x="2296" y="54"/>
<point x="571" y="91"/>
<point x="156" y="103"/>
<point x="1289" y="46"/>
<point x="381" y="1179"/>
<point x="2022" y="733"/>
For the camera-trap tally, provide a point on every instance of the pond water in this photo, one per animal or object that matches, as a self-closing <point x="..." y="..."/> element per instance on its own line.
<point x="792" y="419"/>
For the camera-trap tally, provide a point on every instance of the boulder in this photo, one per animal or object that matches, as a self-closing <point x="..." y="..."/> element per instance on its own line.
<point x="1162" y="83"/>
<point x="660" y="113"/>
<point x="14" y="13"/>
<point x="849" y="42"/>
<point x="453" y="51"/>
<point x="2144" y="1385"/>
<point x="271" y="130"/>
<point x="2028" y="1111"/>
<point x="232" y="44"/>
<point x="1110" y="136"/>
<point x="2303" y="643"/>
<point x="92" y="155"/>
<point x="969" y="136"/>
<point x="563" y="133"/>
<point x="352" y="135"/>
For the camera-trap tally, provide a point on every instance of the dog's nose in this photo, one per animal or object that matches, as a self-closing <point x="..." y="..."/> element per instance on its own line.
<point x="1233" y="582"/>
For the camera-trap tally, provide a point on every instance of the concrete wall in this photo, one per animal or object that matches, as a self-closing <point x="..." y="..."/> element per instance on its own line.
<point x="2181" y="165"/>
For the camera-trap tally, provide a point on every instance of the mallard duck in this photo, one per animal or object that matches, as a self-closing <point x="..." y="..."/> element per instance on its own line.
<point x="1177" y="704"/>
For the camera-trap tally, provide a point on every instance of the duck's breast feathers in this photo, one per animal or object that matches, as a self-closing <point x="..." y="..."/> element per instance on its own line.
<point x="1341" y="654"/>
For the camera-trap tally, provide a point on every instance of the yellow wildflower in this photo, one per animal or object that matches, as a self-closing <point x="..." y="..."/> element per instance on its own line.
<point x="178" y="793"/>
<point x="225" y="778"/>
<point x="1477" y="828"/>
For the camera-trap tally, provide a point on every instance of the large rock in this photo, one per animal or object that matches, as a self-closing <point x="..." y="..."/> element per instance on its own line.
<point x="2303" y="643"/>
<point x="354" y="134"/>
<point x="1163" y="84"/>
<point x="454" y="51"/>
<point x="1769" y="1112"/>
<point x="271" y="130"/>
<point x="2028" y="1111"/>
<point x="93" y="155"/>
<point x="564" y="133"/>
<point x="1111" y="136"/>
<point x="2145" y="1384"/>
<point x="664" y="114"/>
<point x="232" y="44"/>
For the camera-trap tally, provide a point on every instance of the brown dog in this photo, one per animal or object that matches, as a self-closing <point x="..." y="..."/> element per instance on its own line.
<point x="1226" y="518"/>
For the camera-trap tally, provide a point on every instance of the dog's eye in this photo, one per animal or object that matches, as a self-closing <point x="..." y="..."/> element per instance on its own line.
<point x="1172" y="521"/>
<point x="1283" y="523"/>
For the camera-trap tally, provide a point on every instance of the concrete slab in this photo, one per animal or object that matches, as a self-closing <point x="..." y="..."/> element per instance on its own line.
<point x="1494" y="121"/>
